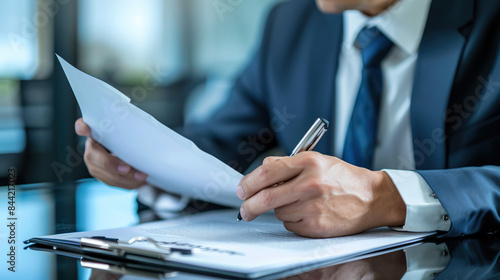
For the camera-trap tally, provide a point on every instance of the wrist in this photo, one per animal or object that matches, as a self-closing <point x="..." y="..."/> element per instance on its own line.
<point x="391" y="205"/>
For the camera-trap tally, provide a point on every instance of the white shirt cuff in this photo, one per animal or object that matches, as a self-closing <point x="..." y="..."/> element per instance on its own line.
<point x="424" y="212"/>
<point x="160" y="201"/>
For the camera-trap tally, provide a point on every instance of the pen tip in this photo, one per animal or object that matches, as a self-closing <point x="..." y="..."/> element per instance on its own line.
<point x="239" y="218"/>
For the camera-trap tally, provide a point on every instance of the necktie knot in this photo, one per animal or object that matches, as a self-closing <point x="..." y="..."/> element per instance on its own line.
<point x="374" y="46"/>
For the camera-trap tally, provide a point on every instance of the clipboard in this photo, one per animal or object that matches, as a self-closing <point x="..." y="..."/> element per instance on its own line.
<point x="254" y="250"/>
<point x="155" y="270"/>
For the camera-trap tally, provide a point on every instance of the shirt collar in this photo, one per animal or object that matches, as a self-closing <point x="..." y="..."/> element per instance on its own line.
<point x="403" y="23"/>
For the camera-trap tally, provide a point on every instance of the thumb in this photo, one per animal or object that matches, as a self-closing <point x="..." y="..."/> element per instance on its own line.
<point x="82" y="128"/>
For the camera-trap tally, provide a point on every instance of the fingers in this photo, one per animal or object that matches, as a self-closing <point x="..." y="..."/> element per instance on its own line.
<point x="310" y="228"/>
<point x="320" y="217"/>
<point x="306" y="218"/>
<point x="106" y="167"/>
<point x="269" y="199"/>
<point x="97" y="155"/>
<point x="268" y="174"/>
<point x="126" y="181"/>
<point x="82" y="128"/>
<point x="321" y="196"/>
<point x="264" y="190"/>
<point x="289" y="213"/>
<point x="110" y="169"/>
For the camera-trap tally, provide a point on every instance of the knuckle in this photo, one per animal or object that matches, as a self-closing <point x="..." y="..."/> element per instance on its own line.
<point x="315" y="209"/>
<point x="317" y="226"/>
<point x="314" y="186"/>
<point x="266" y="160"/>
<point x="317" y="186"/>
<point x="313" y="159"/>
<point x="265" y="170"/>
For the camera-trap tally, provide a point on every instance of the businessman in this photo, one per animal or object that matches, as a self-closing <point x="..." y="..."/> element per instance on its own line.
<point x="412" y="88"/>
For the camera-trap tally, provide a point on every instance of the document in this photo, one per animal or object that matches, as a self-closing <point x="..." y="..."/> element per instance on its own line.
<point x="255" y="249"/>
<point x="173" y="163"/>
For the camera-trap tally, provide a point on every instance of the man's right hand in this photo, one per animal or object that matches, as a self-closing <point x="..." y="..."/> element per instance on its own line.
<point x="106" y="167"/>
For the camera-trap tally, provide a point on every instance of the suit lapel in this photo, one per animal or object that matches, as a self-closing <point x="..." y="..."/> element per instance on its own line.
<point x="439" y="55"/>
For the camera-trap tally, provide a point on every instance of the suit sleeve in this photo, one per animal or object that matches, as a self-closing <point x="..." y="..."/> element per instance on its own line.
<point x="240" y="130"/>
<point x="470" y="196"/>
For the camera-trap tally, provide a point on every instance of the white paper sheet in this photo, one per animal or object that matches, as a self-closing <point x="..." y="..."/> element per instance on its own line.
<point x="172" y="162"/>
<point x="258" y="248"/>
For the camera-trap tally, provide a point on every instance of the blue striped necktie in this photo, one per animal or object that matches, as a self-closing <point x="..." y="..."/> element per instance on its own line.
<point x="361" y="134"/>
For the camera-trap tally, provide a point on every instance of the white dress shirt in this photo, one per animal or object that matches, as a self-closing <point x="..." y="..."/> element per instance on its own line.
<point x="403" y="24"/>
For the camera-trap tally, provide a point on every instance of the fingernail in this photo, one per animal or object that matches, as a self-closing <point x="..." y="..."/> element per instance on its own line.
<point x="123" y="168"/>
<point x="243" y="213"/>
<point x="240" y="193"/>
<point x="140" y="176"/>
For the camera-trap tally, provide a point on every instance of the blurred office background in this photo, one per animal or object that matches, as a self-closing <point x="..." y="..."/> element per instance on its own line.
<point x="176" y="59"/>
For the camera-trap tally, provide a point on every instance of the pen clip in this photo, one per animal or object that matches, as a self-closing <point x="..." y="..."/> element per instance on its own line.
<point x="316" y="139"/>
<point x="312" y="136"/>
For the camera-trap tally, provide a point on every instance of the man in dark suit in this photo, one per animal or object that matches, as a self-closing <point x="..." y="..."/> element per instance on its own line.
<point x="407" y="85"/>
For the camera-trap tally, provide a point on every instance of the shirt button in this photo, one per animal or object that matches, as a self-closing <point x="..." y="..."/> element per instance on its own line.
<point x="445" y="217"/>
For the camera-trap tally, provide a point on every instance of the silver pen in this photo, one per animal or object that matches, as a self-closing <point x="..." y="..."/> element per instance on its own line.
<point x="308" y="141"/>
<point x="312" y="136"/>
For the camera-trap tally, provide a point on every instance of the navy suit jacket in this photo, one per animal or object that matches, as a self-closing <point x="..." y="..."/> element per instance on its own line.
<point x="455" y="103"/>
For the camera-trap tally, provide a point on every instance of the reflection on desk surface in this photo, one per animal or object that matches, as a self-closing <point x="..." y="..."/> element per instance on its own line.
<point x="90" y="205"/>
<point x="465" y="258"/>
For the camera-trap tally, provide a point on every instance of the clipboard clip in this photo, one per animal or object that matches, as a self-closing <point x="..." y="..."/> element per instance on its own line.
<point x="122" y="248"/>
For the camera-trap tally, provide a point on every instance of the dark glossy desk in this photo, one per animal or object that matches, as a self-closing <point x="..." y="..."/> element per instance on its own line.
<point x="43" y="209"/>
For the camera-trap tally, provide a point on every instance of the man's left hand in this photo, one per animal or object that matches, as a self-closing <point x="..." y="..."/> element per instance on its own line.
<point x="321" y="196"/>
